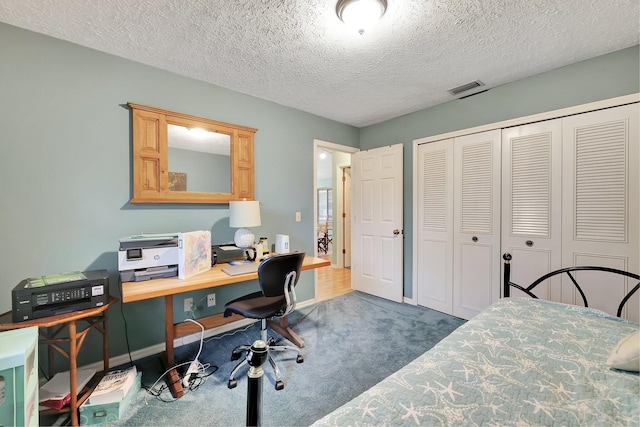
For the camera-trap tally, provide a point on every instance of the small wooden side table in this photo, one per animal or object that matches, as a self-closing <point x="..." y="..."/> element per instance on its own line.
<point x="50" y="327"/>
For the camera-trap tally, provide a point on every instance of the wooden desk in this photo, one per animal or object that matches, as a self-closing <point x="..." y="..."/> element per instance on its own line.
<point x="137" y="291"/>
<point x="50" y="327"/>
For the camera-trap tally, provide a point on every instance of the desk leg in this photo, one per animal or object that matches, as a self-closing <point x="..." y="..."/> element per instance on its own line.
<point x="105" y="342"/>
<point x="174" y="379"/>
<point x="73" y="372"/>
<point x="282" y="327"/>
<point x="50" y="356"/>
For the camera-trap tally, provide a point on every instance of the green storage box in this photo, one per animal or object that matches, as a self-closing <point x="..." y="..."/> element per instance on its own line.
<point x="102" y="413"/>
<point x="19" y="377"/>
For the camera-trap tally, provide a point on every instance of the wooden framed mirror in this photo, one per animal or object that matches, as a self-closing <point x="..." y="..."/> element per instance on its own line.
<point x="179" y="158"/>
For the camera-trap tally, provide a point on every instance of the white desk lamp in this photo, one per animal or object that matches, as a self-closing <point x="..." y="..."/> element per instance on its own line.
<point x="244" y="214"/>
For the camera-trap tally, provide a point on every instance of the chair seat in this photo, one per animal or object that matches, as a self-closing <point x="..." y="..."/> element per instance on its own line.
<point x="256" y="306"/>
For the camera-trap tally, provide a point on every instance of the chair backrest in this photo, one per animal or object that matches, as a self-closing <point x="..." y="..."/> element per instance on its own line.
<point x="278" y="275"/>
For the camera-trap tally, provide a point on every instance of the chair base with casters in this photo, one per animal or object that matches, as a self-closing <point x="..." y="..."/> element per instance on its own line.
<point x="277" y="276"/>
<point x="271" y="347"/>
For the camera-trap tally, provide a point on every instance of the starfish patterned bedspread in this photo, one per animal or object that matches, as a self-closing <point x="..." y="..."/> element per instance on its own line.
<point x="519" y="362"/>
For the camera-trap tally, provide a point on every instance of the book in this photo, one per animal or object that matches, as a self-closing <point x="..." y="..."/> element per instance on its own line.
<point x="56" y="393"/>
<point x="114" y="386"/>
<point x="194" y="253"/>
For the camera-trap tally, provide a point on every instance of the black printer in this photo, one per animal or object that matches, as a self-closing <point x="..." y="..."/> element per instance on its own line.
<point x="227" y="253"/>
<point x="45" y="296"/>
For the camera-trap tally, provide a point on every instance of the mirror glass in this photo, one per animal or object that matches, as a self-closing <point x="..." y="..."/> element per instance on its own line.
<point x="199" y="160"/>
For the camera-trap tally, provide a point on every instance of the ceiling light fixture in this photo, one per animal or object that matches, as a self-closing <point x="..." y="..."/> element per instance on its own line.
<point x="362" y="15"/>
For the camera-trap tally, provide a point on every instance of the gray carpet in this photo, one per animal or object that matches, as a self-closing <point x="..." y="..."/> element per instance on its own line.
<point x="352" y="342"/>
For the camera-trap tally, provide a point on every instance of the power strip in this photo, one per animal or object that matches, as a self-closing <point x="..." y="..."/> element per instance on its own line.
<point x="194" y="368"/>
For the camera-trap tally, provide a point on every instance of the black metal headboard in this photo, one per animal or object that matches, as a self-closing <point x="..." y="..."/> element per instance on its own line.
<point x="508" y="284"/>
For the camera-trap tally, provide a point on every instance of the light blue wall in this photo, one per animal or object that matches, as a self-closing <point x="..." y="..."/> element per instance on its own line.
<point x="65" y="165"/>
<point x="607" y="76"/>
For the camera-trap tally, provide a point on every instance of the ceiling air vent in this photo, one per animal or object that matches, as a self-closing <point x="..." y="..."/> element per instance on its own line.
<point x="465" y="87"/>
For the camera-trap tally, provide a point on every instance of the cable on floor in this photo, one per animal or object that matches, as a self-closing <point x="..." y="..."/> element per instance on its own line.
<point x="194" y="376"/>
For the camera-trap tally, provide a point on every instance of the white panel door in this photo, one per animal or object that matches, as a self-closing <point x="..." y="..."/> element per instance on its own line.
<point x="476" y="238"/>
<point x="376" y="223"/>
<point x="435" y="226"/>
<point x="532" y="203"/>
<point x="601" y="203"/>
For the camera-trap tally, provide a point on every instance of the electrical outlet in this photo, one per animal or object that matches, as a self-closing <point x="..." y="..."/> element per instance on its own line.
<point x="298" y="216"/>
<point x="188" y="303"/>
<point x="211" y="300"/>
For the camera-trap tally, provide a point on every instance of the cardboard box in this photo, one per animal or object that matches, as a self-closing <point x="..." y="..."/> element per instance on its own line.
<point x="102" y="413"/>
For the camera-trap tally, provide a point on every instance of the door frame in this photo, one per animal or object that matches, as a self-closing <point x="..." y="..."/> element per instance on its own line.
<point x="337" y="198"/>
<point x="346" y="217"/>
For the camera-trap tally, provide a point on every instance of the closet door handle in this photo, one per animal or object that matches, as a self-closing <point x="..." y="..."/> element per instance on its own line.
<point x="474" y="238"/>
<point x="529" y="243"/>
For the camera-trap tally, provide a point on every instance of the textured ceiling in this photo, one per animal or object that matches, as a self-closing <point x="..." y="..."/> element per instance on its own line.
<point x="298" y="54"/>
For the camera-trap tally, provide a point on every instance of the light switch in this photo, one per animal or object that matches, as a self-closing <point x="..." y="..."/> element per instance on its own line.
<point x="298" y="216"/>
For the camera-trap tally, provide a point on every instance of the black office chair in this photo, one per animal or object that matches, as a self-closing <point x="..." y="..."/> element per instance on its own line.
<point x="277" y="276"/>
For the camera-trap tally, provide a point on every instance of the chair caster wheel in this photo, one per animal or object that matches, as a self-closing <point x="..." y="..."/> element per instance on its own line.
<point x="299" y="359"/>
<point x="279" y="385"/>
<point x="232" y="384"/>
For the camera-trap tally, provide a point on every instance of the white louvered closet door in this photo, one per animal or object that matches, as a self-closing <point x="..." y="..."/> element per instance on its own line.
<point x="532" y="203"/>
<point x="601" y="202"/>
<point x="435" y="225"/>
<point x="476" y="241"/>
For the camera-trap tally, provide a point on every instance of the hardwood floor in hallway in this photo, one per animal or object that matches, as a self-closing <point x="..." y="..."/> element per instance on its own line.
<point x="332" y="282"/>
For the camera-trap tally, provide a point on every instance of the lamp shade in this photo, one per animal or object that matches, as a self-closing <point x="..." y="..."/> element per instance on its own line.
<point x="244" y="213"/>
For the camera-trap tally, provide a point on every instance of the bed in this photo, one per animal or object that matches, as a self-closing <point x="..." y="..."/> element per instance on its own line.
<point x="521" y="361"/>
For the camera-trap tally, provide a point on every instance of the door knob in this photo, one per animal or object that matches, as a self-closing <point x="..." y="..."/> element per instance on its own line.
<point x="396" y="232"/>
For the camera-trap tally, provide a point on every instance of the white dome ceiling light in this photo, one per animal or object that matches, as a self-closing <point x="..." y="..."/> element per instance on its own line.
<point x="361" y="15"/>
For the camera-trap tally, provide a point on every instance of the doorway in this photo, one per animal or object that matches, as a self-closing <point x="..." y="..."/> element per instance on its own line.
<point x="332" y="202"/>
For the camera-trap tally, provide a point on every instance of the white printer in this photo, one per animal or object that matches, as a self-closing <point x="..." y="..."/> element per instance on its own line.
<point x="148" y="256"/>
